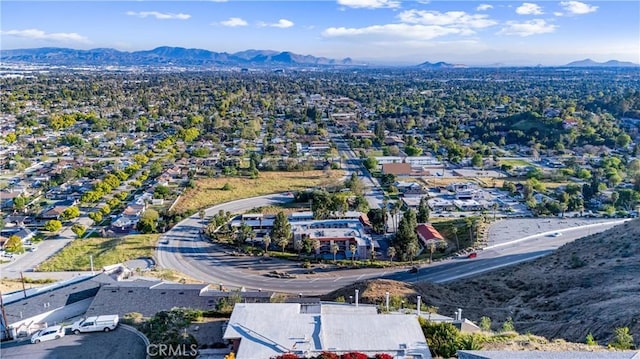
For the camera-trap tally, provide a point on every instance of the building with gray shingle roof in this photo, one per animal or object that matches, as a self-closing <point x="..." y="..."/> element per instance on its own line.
<point x="149" y="297"/>
<point x="262" y="330"/>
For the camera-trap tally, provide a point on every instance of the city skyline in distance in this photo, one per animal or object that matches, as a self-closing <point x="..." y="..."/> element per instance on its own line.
<point x="374" y="31"/>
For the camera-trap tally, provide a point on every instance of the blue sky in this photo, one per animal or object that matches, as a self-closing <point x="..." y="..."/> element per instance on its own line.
<point x="381" y="31"/>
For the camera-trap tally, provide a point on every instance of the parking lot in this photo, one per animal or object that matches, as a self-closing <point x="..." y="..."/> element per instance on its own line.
<point x="119" y="343"/>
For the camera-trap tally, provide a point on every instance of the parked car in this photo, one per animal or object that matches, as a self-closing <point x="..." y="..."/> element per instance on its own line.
<point x="8" y="255"/>
<point x="50" y="333"/>
<point x="557" y="234"/>
<point x="413" y="270"/>
<point x="96" y="324"/>
<point x="472" y="255"/>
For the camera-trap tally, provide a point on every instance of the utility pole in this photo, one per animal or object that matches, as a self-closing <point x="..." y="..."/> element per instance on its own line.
<point x="91" y="261"/>
<point x="5" y="323"/>
<point x="24" y="291"/>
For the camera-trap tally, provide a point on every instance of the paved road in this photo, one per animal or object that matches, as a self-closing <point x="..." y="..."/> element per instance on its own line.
<point x="27" y="261"/>
<point x="119" y="343"/>
<point x="187" y="252"/>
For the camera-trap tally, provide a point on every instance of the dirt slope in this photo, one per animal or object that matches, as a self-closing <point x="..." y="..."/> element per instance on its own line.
<point x="590" y="285"/>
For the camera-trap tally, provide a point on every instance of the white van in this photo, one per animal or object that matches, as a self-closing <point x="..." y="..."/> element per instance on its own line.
<point x="51" y="333"/>
<point x="95" y="324"/>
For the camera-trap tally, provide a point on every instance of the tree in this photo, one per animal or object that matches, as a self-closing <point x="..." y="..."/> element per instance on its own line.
<point x="316" y="244"/>
<point x="623" y="339"/>
<point x="281" y="231"/>
<point x="454" y="230"/>
<point x="267" y="241"/>
<point x="406" y="234"/>
<point x="432" y="249"/>
<point x="352" y="249"/>
<point x="202" y="214"/>
<point x="443" y="338"/>
<point x="96" y="217"/>
<point x="19" y="203"/>
<point x="476" y="160"/>
<point x="53" y="225"/>
<point x="423" y="210"/>
<point x="334" y="250"/>
<point x="377" y="219"/>
<point x="297" y="246"/>
<point x="508" y="326"/>
<point x="70" y="213"/>
<point x="148" y="222"/>
<point x="485" y="324"/>
<point x="14" y="245"/>
<point x="412" y="250"/>
<point x="391" y="253"/>
<point x="78" y="229"/>
<point x="590" y="340"/>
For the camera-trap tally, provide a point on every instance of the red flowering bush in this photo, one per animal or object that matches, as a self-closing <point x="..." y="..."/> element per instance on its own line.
<point x="287" y="356"/>
<point x="383" y="356"/>
<point x="354" y="355"/>
<point x="328" y="355"/>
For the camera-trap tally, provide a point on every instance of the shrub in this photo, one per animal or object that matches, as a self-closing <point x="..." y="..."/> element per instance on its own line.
<point x="383" y="356"/>
<point x="508" y="326"/>
<point x="286" y="356"/>
<point x="328" y="355"/>
<point x="590" y="340"/>
<point x="485" y="324"/>
<point x="227" y="187"/>
<point x="623" y="339"/>
<point x="354" y="355"/>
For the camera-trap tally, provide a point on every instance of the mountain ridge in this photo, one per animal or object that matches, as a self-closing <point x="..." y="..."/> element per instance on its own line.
<point x="194" y="57"/>
<point x="165" y="55"/>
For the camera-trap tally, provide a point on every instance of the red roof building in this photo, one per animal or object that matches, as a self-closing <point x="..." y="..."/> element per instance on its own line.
<point x="427" y="234"/>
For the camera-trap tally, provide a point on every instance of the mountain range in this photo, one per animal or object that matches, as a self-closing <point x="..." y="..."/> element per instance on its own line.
<point x="610" y="63"/>
<point x="163" y="56"/>
<point x="183" y="57"/>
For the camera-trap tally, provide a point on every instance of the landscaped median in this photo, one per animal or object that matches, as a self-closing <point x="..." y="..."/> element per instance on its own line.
<point x="105" y="251"/>
<point x="209" y="192"/>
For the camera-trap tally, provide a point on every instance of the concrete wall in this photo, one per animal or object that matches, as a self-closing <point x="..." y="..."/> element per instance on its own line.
<point x="53" y="317"/>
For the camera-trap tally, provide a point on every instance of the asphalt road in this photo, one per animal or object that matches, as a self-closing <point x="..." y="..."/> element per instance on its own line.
<point x="119" y="343"/>
<point x="186" y="251"/>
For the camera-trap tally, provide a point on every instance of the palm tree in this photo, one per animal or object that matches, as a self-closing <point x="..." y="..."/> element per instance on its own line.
<point x="391" y="252"/>
<point x="432" y="248"/>
<point x="352" y="249"/>
<point x="316" y="244"/>
<point x="455" y="233"/>
<point x="266" y="240"/>
<point x="412" y="250"/>
<point x="334" y="251"/>
<point x="495" y="208"/>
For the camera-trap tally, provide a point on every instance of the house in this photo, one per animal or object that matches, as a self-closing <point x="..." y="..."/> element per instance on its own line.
<point x="264" y="330"/>
<point x="398" y="169"/>
<point x="53" y="213"/>
<point x="428" y="234"/>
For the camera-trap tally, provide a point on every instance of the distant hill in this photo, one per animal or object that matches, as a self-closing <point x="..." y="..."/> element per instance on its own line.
<point x="610" y="63"/>
<point x="440" y="65"/>
<point x="163" y="56"/>
<point x="590" y="285"/>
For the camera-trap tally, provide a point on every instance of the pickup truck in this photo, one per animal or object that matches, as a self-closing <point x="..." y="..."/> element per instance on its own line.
<point x="95" y="324"/>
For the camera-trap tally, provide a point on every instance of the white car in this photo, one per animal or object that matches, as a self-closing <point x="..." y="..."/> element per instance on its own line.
<point x="557" y="234"/>
<point x="50" y="333"/>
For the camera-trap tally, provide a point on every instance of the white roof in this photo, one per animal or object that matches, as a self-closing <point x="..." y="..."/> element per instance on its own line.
<point x="270" y="329"/>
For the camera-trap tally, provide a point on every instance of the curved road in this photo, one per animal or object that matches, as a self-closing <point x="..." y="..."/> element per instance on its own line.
<point x="183" y="249"/>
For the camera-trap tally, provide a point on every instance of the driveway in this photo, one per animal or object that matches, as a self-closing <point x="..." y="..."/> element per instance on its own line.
<point x="119" y="343"/>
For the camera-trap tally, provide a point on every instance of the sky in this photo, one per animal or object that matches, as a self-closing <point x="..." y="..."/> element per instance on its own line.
<point x="375" y="31"/>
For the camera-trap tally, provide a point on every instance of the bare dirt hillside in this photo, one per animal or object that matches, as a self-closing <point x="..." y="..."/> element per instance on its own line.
<point x="591" y="285"/>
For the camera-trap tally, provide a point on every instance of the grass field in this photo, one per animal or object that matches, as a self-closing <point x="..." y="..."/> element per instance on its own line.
<point x="209" y="192"/>
<point x="516" y="163"/>
<point x="105" y="251"/>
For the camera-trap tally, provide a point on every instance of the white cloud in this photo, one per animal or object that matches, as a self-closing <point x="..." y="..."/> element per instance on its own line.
<point x="234" y="22"/>
<point x="370" y="4"/>
<point x="577" y="7"/>
<point x="457" y="19"/>
<point x="41" y="35"/>
<point x="394" y="31"/>
<point x="484" y="7"/>
<point x="527" y="28"/>
<point x="159" y="15"/>
<point x="558" y="13"/>
<point x="528" y="8"/>
<point x="282" y="24"/>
